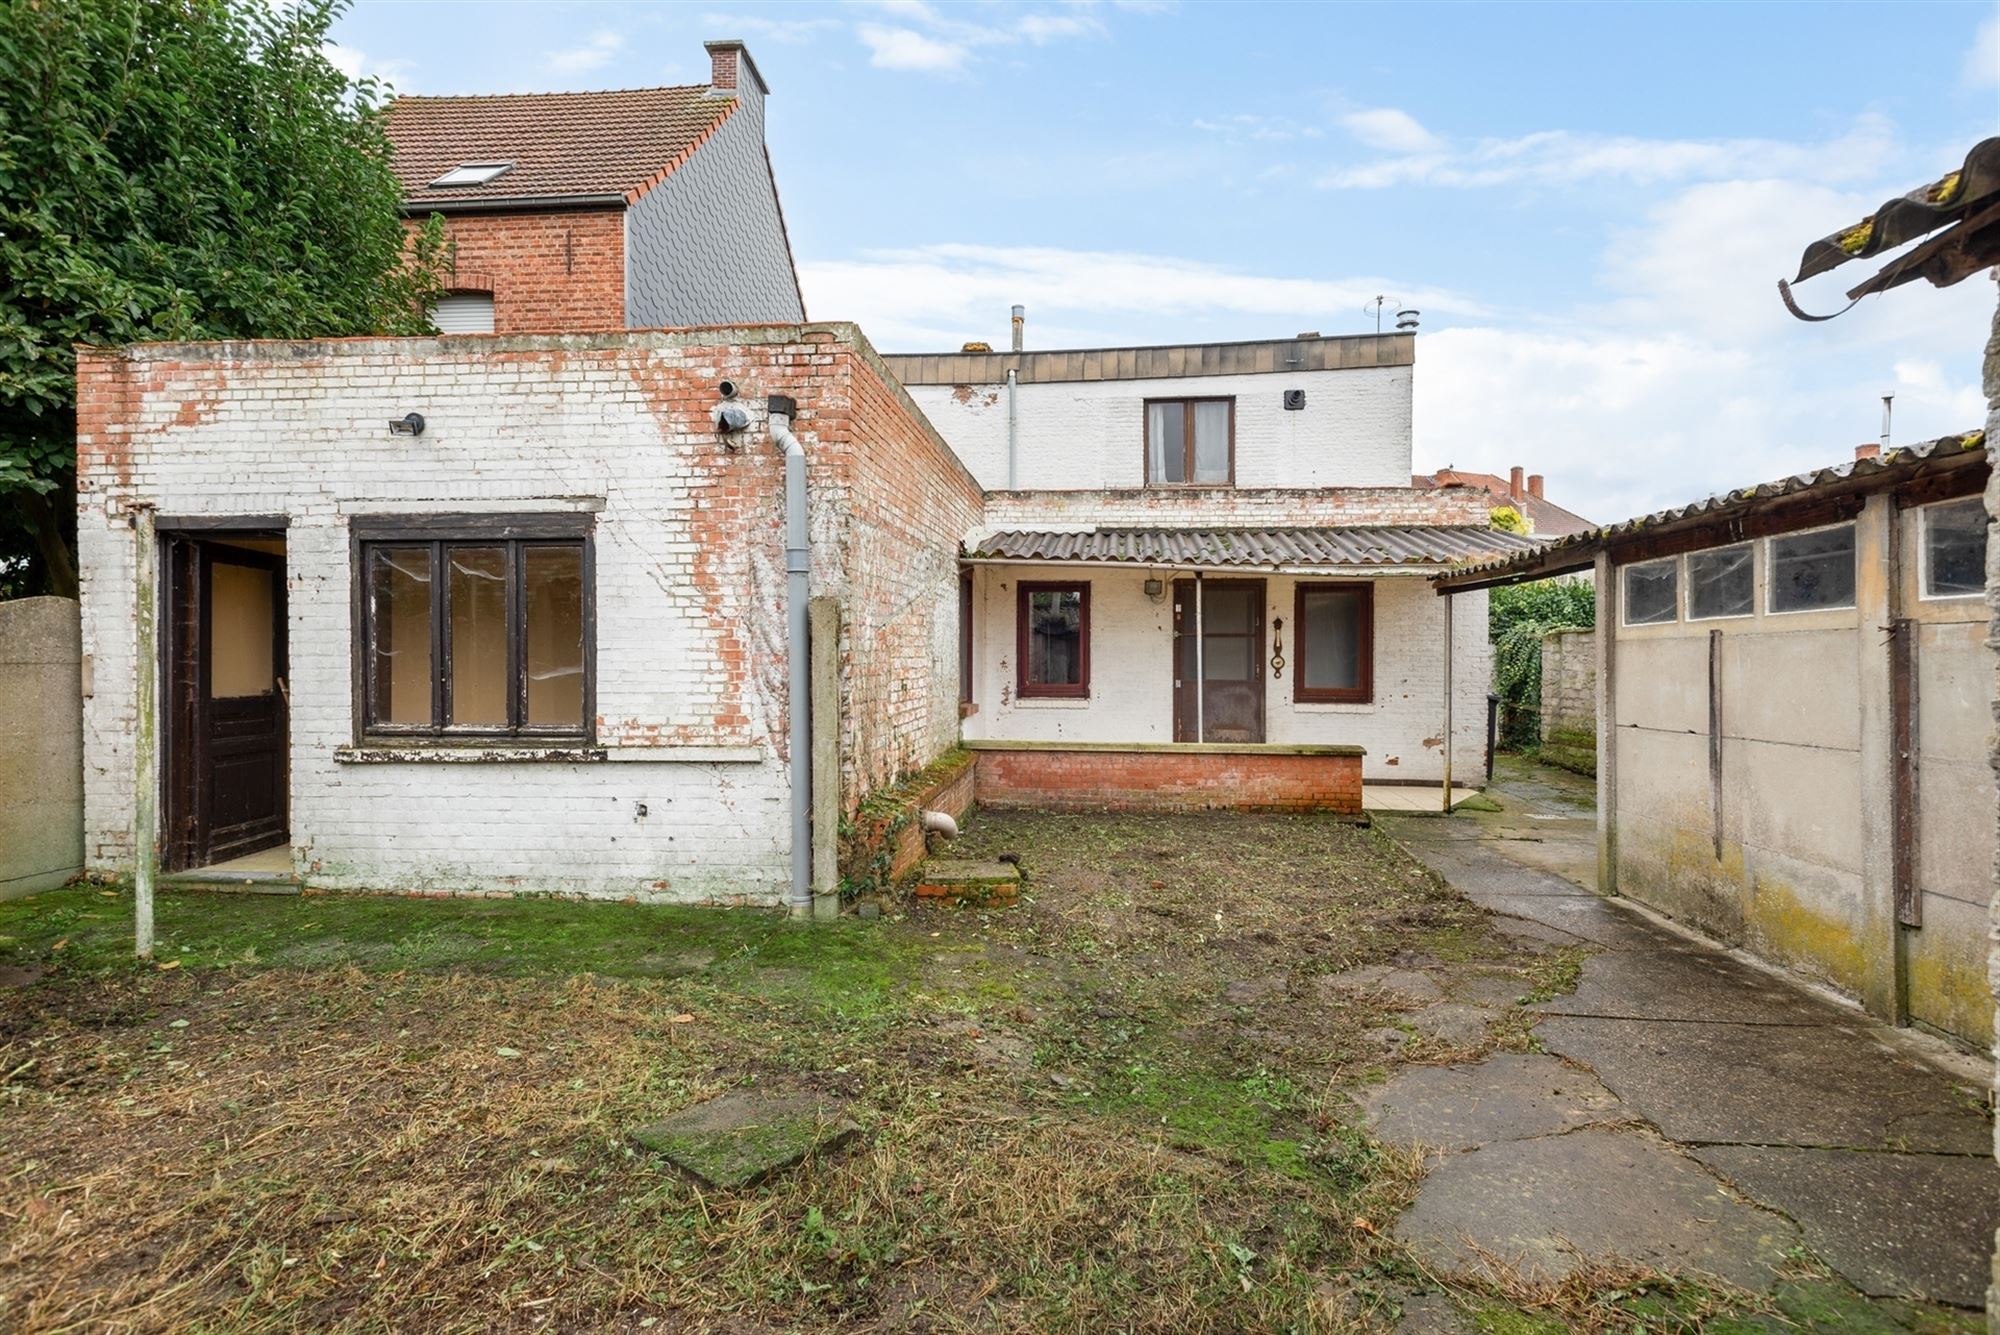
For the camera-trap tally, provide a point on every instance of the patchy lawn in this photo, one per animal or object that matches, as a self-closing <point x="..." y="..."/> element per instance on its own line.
<point x="1119" y="1106"/>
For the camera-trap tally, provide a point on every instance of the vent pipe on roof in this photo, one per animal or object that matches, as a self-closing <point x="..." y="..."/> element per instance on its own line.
<point x="1406" y="321"/>
<point x="1888" y="403"/>
<point x="1020" y="322"/>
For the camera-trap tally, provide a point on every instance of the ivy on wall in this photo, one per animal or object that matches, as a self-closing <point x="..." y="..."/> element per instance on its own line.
<point x="1518" y="616"/>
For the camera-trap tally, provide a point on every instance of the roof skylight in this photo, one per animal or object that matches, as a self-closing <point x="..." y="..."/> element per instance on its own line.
<point x="471" y="173"/>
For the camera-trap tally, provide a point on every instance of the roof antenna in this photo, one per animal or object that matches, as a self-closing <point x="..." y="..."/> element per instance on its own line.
<point x="1375" y="309"/>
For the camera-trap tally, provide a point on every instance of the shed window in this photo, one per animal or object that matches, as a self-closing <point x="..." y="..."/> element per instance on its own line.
<point x="1053" y="651"/>
<point x="1190" y="442"/>
<point x="1722" y="583"/>
<point x="1335" y="644"/>
<point x="475" y="636"/>
<point x="1813" y="570"/>
<point x="1651" y="593"/>
<point x="1955" y="548"/>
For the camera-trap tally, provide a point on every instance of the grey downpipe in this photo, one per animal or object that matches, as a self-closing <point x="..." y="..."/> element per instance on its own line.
<point x="798" y="592"/>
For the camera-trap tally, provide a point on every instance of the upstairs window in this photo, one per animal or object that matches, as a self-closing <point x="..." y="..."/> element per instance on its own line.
<point x="1651" y="593"/>
<point x="1955" y="548"/>
<point x="1335" y="644"/>
<point x="1722" y="583"/>
<point x="1190" y="442"/>
<point x="469" y="173"/>
<point x="1052" y="623"/>
<point x="1812" y="571"/>
<point x="475" y="631"/>
<point x="464" y="313"/>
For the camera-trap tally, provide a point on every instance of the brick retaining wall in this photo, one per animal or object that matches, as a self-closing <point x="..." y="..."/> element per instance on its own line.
<point x="1176" y="777"/>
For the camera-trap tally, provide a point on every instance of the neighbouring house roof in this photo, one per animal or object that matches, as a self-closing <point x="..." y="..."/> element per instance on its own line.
<point x="1545" y="517"/>
<point x="1266" y="356"/>
<point x="1383" y="545"/>
<point x="1965" y="203"/>
<point x="1791" y="502"/>
<point x="566" y="148"/>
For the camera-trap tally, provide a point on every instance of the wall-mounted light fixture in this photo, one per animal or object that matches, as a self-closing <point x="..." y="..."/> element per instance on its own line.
<point x="1156" y="589"/>
<point x="409" y="424"/>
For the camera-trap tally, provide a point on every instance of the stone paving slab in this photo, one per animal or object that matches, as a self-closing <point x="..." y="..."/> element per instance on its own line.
<point x="1897" y="1225"/>
<point x="1674" y="979"/>
<point x="1827" y="1085"/>
<point x="1510" y="1096"/>
<point x="740" y="1138"/>
<point x="1540" y="1207"/>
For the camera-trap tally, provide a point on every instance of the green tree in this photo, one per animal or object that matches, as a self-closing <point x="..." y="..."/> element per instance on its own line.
<point x="176" y="169"/>
<point x="1517" y="616"/>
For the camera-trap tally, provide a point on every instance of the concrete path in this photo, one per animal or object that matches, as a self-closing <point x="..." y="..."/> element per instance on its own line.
<point x="1693" y="1111"/>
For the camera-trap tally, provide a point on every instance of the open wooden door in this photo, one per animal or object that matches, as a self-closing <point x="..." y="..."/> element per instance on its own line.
<point x="1231" y="705"/>
<point x="227" y="713"/>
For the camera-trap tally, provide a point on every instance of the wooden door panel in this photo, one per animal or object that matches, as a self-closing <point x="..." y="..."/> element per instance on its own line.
<point x="1232" y="658"/>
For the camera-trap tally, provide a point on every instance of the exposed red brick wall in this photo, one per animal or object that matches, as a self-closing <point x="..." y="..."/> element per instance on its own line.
<point x="548" y="272"/>
<point x="1096" y="780"/>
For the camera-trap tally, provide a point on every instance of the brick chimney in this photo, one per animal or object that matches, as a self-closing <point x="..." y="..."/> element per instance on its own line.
<point x="1868" y="451"/>
<point x="731" y="70"/>
<point x="1535" y="485"/>
<point x="1514" y="482"/>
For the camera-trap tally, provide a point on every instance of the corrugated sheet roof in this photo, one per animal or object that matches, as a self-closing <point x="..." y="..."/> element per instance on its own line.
<point x="1366" y="546"/>
<point x="561" y="144"/>
<point x="1901" y="460"/>
<point x="1967" y="201"/>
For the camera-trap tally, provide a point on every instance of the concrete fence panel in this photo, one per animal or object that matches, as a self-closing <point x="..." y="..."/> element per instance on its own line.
<point x="1569" y="699"/>
<point x="41" y="745"/>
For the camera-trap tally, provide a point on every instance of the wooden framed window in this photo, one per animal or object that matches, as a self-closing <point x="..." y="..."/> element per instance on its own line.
<point x="475" y="628"/>
<point x="1052" y="640"/>
<point x="1190" y="442"/>
<point x="1334" y="642"/>
<point x="965" y="638"/>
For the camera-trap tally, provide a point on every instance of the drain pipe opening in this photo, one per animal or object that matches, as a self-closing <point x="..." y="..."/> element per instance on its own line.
<point x="798" y="592"/>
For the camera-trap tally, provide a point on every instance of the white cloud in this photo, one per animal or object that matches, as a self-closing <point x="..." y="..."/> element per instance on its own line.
<point x="904" y="49"/>
<point x="1982" y="62"/>
<point x="1244" y="125"/>
<point x="936" y="297"/>
<point x="1391" y="130"/>
<point x="595" y="53"/>
<point x="356" y="64"/>
<point x="1041" y="29"/>
<point x="1566" y="157"/>
<point x="790" y="32"/>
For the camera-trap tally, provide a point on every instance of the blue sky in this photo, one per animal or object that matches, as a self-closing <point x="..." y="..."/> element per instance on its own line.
<point x="1590" y="205"/>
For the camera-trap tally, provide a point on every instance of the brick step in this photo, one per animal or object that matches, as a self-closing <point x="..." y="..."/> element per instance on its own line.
<point x="952" y="881"/>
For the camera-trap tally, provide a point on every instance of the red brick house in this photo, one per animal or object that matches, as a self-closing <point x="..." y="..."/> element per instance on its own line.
<point x="1545" y="518"/>
<point x="642" y="208"/>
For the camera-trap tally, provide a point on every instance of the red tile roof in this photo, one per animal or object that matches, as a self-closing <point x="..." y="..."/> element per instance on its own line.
<point x="562" y="145"/>
<point x="1545" y="518"/>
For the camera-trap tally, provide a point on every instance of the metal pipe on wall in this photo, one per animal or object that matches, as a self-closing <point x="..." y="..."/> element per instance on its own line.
<point x="1200" y="665"/>
<point x="798" y="595"/>
<point x="1013" y="431"/>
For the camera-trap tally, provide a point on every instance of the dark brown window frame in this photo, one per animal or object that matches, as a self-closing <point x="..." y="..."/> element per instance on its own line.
<point x="1364" y="694"/>
<point x="1028" y="690"/>
<point x="515" y="534"/>
<point x="1187" y="459"/>
<point x="965" y="664"/>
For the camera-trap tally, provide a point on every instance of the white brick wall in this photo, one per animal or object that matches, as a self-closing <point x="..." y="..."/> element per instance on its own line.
<point x="1131" y="671"/>
<point x="689" y="586"/>
<point x="1353" y="432"/>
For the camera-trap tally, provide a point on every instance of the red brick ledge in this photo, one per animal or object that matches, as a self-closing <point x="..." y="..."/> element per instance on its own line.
<point x="1168" y="776"/>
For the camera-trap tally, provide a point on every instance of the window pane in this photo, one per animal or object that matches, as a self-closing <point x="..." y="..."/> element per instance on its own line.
<point x="399" y="615"/>
<point x="1166" y="442"/>
<point x="1211" y="442"/>
<point x="1330" y="657"/>
<point x="1650" y="593"/>
<point x="1721" y="584"/>
<point x="242" y="616"/>
<point x="1811" y="570"/>
<point x="478" y="610"/>
<point x="1055" y="637"/>
<point x="554" y="649"/>
<point x="1955" y="548"/>
<point x="1228" y="658"/>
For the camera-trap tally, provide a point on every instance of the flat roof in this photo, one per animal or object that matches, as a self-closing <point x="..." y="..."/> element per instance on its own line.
<point x="1165" y="361"/>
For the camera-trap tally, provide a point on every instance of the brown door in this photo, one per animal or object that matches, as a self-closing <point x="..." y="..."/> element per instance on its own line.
<point x="1232" y="661"/>
<point x="225" y="780"/>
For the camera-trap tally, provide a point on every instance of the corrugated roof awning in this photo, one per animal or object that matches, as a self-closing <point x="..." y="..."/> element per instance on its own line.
<point x="1330" y="548"/>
